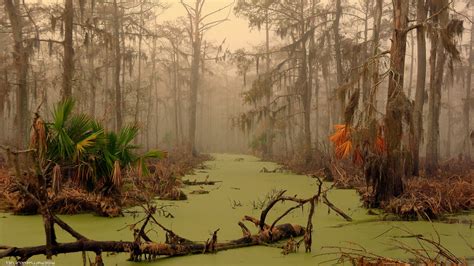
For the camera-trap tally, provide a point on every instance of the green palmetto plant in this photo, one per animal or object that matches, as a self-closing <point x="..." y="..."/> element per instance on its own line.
<point x="86" y="152"/>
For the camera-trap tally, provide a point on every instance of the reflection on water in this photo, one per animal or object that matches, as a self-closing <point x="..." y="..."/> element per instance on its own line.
<point x="198" y="216"/>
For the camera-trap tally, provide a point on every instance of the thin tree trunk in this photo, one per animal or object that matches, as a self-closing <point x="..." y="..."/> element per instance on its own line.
<point x="467" y="103"/>
<point x="437" y="62"/>
<point x="374" y="71"/>
<point x="68" y="62"/>
<point x="307" y="91"/>
<point x="269" y="122"/>
<point x="196" y="58"/>
<point x="117" y="58"/>
<point x="92" y="75"/>
<point x="412" y="63"/>
<point x="450" y="121"/>
<point x="105" y="91"/>
<point x="150" y="95"/>
<point x="365" y="78"/>
<point x="421" y="14"/>
<point x="139" y="81"/>
<point x="339" y="74"/>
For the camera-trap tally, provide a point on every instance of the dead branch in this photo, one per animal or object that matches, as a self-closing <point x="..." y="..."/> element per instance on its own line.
<point x="199" y="183"/>
<point x="336" y="209"/>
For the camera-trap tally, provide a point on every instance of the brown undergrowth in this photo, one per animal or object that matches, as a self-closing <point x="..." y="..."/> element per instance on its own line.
<point x="450" y="191"/>
<point x="343" y="173"/>
<point x="432" y="198"/>
<point x="162" y="181"/>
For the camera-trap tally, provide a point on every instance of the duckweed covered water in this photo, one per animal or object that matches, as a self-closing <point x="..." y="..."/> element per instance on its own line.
<point x="244" y="185"/>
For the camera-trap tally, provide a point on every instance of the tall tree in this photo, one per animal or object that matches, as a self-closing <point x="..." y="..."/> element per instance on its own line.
<point x="68" y="61"/>
<point x="467" y="103"/>
<point x="421" y="13"/>
<point x="392" y="186"/>
<point x="21" y="56"/>
<point x="117" y="65"/>
<point x="338" y="58"/>
<point x="437" y="65"/>
<point x="198" y="25"/>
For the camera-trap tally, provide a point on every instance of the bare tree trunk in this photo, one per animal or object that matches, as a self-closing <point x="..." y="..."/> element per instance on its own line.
<point x="68" y="62"/>
<point x="365" y="78"/>
<point x="412" y="63"/>
<point x="105" y="91"/>
<point x="467" y="103"/>
<point x="314" y="72"/>
<point x="421" y="14"/>
<point x="317" y="112"/>
<point x="437" y="62"/>
<point x="117" y="58"/>
<point x="175" y="80"/>
<point x="450" y="121"/>
<point x="269" y="122"/>
<point x="339" y="74"/>
<point x="151" y="88"/>
<point x="20" y="56"/>
<point x="374" y="70"/>
<point x="306" y="94"/>
<point x="196" y="58"/>
<point x="92" y="75"/>
<point x="392" y="185"/>
<point x="139" y="81"/>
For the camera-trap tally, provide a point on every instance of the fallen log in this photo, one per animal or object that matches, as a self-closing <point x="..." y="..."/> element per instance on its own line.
<point x="137" y="249"/>
<point x="199" y="183"/>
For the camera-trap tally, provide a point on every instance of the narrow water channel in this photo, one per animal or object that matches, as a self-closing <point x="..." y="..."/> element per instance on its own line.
<point x="243" y="187"/>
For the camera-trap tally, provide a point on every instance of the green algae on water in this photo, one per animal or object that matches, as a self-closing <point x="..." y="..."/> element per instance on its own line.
<point x="198" y="216"/>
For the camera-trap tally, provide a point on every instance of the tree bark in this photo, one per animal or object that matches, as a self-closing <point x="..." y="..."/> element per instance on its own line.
<point x="467" y="103"/>
<point x="412" y="63"/>
<point x="269" y="122"/>
<point x="139" y="79"/>
<point x="437" y="62"/>
<point x="450" y="121"/>
<point x="337" y="49"/>
<point x="194" y="86"/>
<point x="279" y="232"/>
<point x="306" y="90"/>
<point x="20" y="56"/>
<point x="68" y="62"/>
<point x="117" y="63"/>
<point x="421" y="14"/>
<point x="392" y="185"/>
<point x="365" y="78"/>
<point x="374" y="70"/>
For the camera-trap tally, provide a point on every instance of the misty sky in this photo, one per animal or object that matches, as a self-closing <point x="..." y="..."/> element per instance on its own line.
<point x="235" y="31"/>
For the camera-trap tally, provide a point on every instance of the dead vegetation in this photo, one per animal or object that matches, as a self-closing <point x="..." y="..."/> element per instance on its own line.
<point x="449" y="191"/>
<point x="164" y="181"/>
<point x="144" y="248"/>
<point x="428" y="250"/>
<point x="433" y="198"/>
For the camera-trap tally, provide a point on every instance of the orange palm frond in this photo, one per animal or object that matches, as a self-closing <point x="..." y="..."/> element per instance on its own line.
<point x="357" y="157"/>
<point x="343" y="150"/>
<point x="340" y="136"/>
<point x="380" y="145"/>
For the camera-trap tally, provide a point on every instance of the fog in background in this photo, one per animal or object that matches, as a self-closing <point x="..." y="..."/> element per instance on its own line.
<point x="156" y="95"/>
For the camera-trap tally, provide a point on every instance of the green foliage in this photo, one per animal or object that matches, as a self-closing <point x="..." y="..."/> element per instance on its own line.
<point x="85" y="151"/>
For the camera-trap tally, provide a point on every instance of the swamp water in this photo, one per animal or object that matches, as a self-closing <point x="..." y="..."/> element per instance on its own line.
<point x="243" y="184"/>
